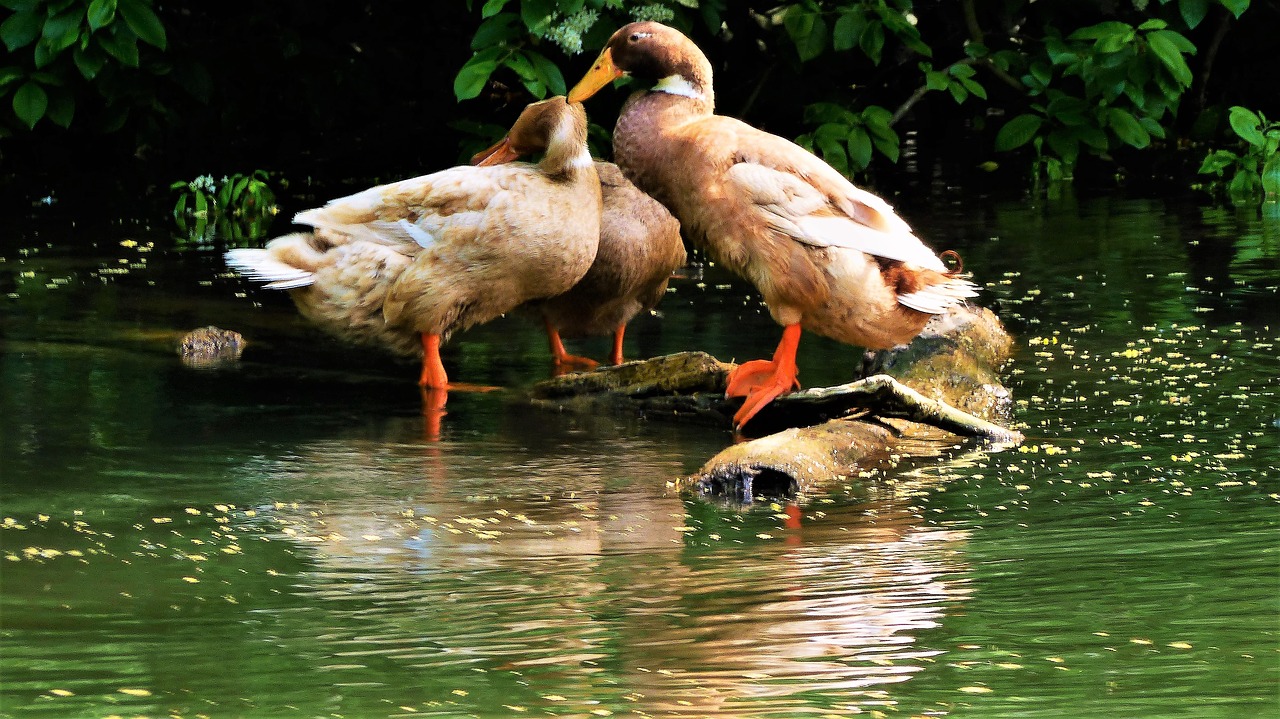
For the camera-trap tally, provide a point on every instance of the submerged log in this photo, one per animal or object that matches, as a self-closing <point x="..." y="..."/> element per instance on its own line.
<point x="946" y="381"/>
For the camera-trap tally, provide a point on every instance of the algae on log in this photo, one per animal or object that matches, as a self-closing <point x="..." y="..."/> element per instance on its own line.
<point x="947" y="379"/>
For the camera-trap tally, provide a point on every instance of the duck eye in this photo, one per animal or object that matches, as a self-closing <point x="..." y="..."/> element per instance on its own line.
<point x="638" y="36"/>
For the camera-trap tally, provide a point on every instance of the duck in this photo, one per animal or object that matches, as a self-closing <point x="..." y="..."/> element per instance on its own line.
<point x="826" y="256"/>
<point x="640" y="249"/>
<point x="406" y="264"/>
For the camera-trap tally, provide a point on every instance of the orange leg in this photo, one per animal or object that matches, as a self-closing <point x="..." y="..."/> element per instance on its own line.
<point x="433" y="375"/>
<point x="563" y="358"/>
<point x="433" y="401"/>
<point x="616" y="357"/>
<point x="762" y="380"/>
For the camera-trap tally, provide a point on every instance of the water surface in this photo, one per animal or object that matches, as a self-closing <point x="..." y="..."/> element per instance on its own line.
<point x="281" y="538"/>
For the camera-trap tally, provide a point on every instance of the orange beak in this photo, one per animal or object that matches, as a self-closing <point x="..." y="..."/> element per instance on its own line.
<point x="499" y="154"/>
<point x="602" y="73"/>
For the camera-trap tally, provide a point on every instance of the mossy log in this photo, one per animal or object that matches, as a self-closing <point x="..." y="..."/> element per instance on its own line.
<point x="946" y="381"/>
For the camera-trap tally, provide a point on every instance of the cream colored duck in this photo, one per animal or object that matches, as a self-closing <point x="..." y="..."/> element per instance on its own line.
<point x="409" y="263"/>
<point x="640" y="248"/>
<point x="827" y="256"/>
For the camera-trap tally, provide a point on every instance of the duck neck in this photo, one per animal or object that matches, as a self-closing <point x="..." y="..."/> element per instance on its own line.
<point x="567" y="155"/>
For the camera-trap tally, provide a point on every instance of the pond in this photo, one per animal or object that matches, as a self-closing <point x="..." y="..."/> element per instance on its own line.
<point x="282" y="538"/>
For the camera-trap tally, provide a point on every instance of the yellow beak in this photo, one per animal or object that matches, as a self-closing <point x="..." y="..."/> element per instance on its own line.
<point x="602" y="73"/>
<point x="498" y="154"/>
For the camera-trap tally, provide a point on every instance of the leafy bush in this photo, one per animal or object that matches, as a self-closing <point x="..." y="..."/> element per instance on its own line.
<point x="1257" y="168"/>
<point x="58" y="46"/>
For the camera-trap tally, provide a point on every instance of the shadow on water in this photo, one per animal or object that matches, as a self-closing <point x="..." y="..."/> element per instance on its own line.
<point x="279" y="538"/>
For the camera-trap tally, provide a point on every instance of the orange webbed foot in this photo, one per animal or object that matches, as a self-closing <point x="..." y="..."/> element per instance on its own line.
<point x="760" y="381"/>
<point x="565" y="362"/>
<point x="746" y="377"/>
<point x="761" y="394"/>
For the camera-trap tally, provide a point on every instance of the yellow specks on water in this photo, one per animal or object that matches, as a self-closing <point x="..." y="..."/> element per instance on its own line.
<point x="1141" y="641"/>
<point x="135" y="692"/>
<point x="192" y="511"/>
<point x="191" y="580"/>
<point x="1178" y="645"/>
<point x="1055" y="660"/>
<point x="11" y="523"/>
<point x="162" y="520"/>
<point x="554" y="698"/>
<point x="62" y="693"/>
<point x="764" y="535"/>
<point x="975" y="690"/>
<point x="460" y="692"/>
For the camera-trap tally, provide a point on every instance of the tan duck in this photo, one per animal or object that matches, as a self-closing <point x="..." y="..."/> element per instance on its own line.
<point x="404" y="265"/>
<point x="826" y="255"/>
<point x="640" y="247"/>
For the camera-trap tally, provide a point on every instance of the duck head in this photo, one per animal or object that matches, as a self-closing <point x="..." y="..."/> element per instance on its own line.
<point x="555" y="126"/>
<point x="651" y="52"/>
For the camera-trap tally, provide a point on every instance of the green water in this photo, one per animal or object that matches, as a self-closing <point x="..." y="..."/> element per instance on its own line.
<point x="281" y="539"/>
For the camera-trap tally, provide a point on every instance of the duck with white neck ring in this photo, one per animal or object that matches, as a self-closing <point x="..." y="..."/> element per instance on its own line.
<point x="827" y="256"/>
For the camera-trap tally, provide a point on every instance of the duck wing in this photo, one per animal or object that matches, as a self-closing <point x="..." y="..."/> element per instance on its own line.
<point x="803" y="198"/>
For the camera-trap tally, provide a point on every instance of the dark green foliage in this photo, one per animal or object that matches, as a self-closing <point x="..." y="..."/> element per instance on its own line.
<point x="1256" y="168"/>
<point x="1066" y="90"/>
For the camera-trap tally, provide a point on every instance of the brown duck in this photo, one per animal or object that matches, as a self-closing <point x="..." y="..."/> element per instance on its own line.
<point x="826" y="255"/>
<point x="406" y="264"/>
<point x="640" y="247"/>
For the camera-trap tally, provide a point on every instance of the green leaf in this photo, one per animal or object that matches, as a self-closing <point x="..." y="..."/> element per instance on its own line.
<point x="1193" y="11"/>
<point x="475" y="73"/>
<point x="496" y="30"/>
<point x="30" y="103"/>
<point x="1271" y="176"/>
<point x="8" y="75"/>
<point x="61" y="32"/>
<point x="1167" y="50"/>
<point x="1018" y="131"/>
<point x="1065" y="144"/>
<point x="828" y="142"/>
<point x="1244" y="184"/>
<point x="1101" y="31"/>
<point x="548" y="72"/>
<point x="537" y="14"/>
<point x="21" y="29"/>
<point x="143" y="21"/>
<point x="936" y="80"/>
<point x="101" y="13"/>
<point x="1247" y="125"/>
<point x="859" y="148"/>
<point x="1127" y="128"/>
<point x="808" y="31"/>
<point x="119" y="43"/>
<point x="1236" y="7"/>
<point x="492" y="7"/>
<point x="1217" y="161"/>
<point x="848" y="30"/>
<point x="958" y="92"/>
<point x="872" y="42"/>
<point x="974" y="88"/>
